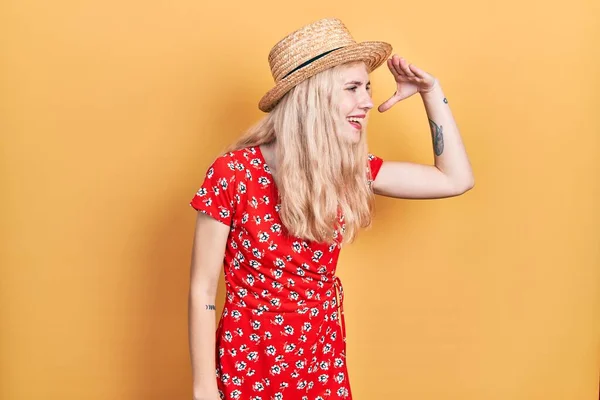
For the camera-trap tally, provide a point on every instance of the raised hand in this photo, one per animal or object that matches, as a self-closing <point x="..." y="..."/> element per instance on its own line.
<point x="409" y="79"/>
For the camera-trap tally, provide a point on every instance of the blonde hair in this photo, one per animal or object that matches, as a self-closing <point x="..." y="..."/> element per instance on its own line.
<point x="319" y="174"/>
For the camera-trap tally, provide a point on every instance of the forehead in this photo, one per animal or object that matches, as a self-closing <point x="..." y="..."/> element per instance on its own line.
<point x="354" y="72"/>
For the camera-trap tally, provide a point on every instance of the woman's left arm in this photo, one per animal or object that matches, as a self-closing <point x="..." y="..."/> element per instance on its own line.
<point x="451" y="174"/>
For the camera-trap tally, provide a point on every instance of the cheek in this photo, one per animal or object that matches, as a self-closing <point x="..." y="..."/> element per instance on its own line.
<point x="346" y="105"/>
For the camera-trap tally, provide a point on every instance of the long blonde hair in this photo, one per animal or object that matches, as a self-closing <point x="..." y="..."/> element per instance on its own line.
<point x="318" y="173"/>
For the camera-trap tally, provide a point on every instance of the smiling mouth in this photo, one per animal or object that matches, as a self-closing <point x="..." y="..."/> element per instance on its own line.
<point x="355" y="123"/>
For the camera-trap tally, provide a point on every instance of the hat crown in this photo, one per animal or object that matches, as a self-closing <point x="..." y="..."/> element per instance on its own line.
<point x="307" y="43"/>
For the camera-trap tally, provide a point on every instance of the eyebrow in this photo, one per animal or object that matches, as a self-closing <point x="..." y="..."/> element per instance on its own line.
<point x="357" y="83"/>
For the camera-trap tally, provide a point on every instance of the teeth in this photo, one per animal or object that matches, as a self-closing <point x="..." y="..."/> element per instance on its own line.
<point x="355" y="120"/>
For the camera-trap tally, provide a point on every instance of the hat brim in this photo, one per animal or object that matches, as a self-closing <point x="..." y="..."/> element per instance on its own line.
<point x="372" y="53"/>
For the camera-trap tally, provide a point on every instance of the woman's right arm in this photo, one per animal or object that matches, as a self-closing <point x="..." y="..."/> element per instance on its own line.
<point x="210" y="239"/>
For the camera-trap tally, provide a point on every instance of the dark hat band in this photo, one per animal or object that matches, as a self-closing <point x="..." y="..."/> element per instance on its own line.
<point x="304" y="64"/>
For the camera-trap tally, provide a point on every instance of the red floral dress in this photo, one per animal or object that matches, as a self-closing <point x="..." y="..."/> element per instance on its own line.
<point x="281" y="335"/>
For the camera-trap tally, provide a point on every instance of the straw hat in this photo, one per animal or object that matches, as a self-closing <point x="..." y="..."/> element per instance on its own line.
<point x="314" y="48"/>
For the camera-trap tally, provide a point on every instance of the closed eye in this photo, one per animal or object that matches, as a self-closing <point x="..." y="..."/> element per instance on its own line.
<point x="353" y="88"/>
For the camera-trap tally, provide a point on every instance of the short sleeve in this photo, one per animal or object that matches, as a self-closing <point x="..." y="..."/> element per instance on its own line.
<point x="216" y="196"/>
<point x="374" y="164"/>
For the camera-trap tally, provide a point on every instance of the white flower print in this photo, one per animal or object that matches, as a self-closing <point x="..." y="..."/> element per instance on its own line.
<point x="240" y="365"/>
<point x="275" y="370"/>
<point x="289" y="347"/>
<point x="317" y="255"/>
<point x="236" y="394"/>
<point x="275" y="302"/>
<point x="263" y="180"/>
<point x="271" y="350"/>
<point x="254" y="337"/>
<point x="257" y="253"/>
<point x="277" y="273"/>
<point x="288" y="330"/>
<point x="223" y="183"/>
<point x="275" y="228"/>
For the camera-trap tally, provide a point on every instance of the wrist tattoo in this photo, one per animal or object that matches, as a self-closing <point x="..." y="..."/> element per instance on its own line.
<point x="210" y="307"/>
<point x="437" y="136"/>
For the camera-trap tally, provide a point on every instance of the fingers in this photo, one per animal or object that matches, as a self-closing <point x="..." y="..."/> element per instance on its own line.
<point x="401" y="66"/>
<point x="393" y="69"/>
<point x="388" y="104"/>
<point x="419" y="73"/>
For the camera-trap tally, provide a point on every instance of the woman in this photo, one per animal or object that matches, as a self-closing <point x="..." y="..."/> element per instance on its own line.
<point x="277" y="207"/>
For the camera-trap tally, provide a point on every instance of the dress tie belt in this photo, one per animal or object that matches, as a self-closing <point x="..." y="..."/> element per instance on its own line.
<point x="338" y="286"/>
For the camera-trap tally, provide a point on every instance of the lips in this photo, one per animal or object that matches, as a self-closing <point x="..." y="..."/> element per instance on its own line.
<point x="356" y="121"/>
<point x="356" y="125"/>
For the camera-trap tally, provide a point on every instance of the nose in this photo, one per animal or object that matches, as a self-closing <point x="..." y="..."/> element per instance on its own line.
<point x="366" y="102"/>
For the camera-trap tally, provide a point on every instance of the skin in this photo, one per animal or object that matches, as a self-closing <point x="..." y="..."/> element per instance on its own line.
<point x="355" y="100"/>
<point x="450" y="175"/>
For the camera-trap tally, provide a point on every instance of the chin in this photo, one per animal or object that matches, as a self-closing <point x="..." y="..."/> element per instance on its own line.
<point x="353" y="137"/>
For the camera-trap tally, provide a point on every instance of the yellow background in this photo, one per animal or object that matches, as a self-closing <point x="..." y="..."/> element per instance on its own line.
<point x="111" y="112"/>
